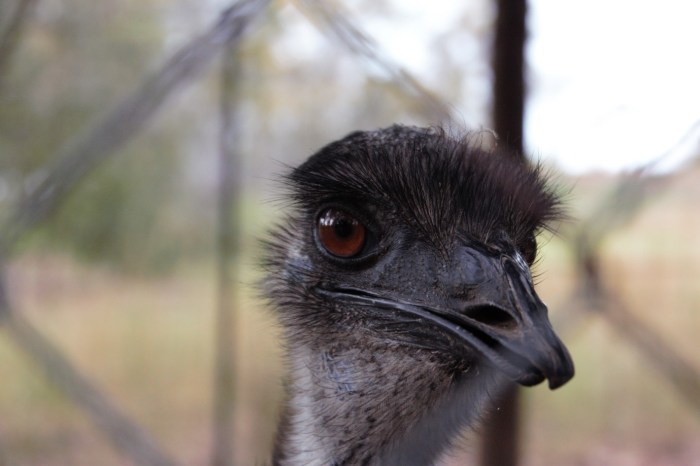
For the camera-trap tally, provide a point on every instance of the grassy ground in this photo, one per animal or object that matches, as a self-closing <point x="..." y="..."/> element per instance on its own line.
<point x="148" y="344"/>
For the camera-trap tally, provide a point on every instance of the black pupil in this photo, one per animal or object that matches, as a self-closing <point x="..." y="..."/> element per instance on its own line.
<point x="343" y="227"/>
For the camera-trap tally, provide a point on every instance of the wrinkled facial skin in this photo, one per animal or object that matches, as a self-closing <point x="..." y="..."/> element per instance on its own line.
<point x="430" y="249"/>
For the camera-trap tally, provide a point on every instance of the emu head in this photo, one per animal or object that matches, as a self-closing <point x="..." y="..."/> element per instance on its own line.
<point x="405" y="240"/>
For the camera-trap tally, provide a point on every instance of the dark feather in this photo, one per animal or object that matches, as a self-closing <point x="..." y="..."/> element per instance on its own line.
<point x="437" y="184"/>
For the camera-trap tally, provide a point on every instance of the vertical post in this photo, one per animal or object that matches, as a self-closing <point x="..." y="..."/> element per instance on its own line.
<point x="125" y="435"/>
<point x="500" y="436"/>
<point x="508" y="74"/>
<point x="228" y="250"/>
<point x="500" y="441"/>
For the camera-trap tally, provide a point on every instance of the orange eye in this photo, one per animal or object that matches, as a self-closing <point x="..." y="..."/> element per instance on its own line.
<point x="340" y="233"/>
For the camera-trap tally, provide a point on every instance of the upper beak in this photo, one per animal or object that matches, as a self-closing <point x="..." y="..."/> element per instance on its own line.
<point x="506" y="321"/>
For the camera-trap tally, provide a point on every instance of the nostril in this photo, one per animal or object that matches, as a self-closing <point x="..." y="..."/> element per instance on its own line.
<point x="491" y="316"/>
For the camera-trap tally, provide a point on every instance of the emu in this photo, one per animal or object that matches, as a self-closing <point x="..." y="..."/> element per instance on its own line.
<point x="402" y="281"/>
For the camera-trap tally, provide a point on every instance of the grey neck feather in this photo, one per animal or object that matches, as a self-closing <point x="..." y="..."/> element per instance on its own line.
<point x="379" y="407"/>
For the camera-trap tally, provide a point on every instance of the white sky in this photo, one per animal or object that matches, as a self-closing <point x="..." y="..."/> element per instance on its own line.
<point x="613" y="83"/>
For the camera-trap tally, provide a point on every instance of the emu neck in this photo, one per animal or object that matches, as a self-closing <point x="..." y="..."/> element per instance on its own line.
<point x="385" y="405"/>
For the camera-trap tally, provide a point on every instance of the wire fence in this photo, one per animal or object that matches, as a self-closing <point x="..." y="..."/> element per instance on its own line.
<point x="77" y="160"/>
<point x="83" y="155"/>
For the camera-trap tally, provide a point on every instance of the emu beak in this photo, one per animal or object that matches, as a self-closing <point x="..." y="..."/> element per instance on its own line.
<point x="507" y="322"/>
<point x="502" y="317"/>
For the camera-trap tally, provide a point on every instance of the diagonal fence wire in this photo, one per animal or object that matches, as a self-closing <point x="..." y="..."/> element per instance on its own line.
<point x="626" y="199"/>
<point x="616" y="210"/>
<point x="71" y="164"/>
<point x="81" y="155"/>
<point x="126" y="436"/>
<point x="9" y="36"/>
<point x="683" y="376"/>
<point x="331" y="19"/>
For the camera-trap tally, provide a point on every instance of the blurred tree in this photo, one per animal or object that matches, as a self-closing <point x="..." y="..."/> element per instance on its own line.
<point x="146" y="209"/>
<point x="69" y="69"/>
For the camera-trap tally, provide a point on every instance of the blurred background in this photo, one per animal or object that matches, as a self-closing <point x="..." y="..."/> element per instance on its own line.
<point x="121" y="219"/>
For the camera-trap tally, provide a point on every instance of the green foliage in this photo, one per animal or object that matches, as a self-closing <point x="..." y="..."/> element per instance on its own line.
<point x="117" y="214"/>
<point x="69" y="69"/>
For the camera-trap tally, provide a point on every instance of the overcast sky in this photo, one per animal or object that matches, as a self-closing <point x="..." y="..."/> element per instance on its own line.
<point x="613" y="83"/>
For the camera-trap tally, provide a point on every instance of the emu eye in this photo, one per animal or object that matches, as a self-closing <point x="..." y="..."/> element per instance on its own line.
<point x="529" y="249"/>
<point x="340" y="233"/>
